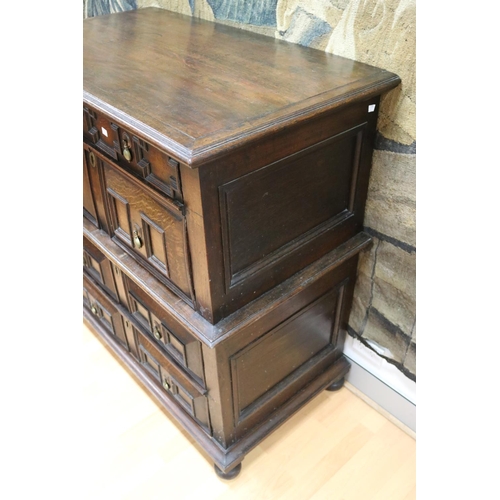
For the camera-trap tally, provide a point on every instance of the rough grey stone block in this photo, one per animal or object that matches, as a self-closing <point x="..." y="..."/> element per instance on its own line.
<point x="361" y="303"/>
<point x="391" y="203"/>
<point x="410" y="359"/>
<point x="381" y="331"/>
<point x="395" y="305"/>
<point x="397" y="268"/>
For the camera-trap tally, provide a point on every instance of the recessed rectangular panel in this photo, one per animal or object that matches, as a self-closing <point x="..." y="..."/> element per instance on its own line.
<point x="156" y="244"/>
<point x="120" y="212"/>
<point x="269" y="209"/>
<point x="262" y="365"/>
<point x="159" y="238"/>
<point x="176" y="347"/>
<point x="140" y="312"/>
<point x="149" y="362"/>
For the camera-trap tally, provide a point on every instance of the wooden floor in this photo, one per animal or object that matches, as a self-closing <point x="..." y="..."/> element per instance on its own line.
<point x="337" y="448"/>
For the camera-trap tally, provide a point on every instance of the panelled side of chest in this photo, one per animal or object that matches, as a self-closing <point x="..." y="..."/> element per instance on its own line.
<point x="281" y="359"/>
<point x="267" y="210"/>
<point x="243" y="222"/>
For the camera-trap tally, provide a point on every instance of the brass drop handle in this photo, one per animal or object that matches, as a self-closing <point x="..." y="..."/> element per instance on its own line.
<point x="166" y="384"/>
<point x="127" y="154"/>
<point x="137" y="239"/>
<point x="157" y="333"/>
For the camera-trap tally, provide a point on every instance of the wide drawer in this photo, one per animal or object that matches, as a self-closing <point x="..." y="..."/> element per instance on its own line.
<point x="188" y="394"/>
<point x="167" y="332"/>
<point x="132" y="153"/>
<point x="107" y="315"/>
<point x="186" y="390"/>
<point x="149" y="226"/>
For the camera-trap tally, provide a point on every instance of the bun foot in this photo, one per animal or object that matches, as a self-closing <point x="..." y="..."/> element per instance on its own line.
<point x="336" y="385"/>
<point x="228" y="475"/>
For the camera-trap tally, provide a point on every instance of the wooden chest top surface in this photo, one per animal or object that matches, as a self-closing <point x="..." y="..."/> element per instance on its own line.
<point x="198" y="89"/>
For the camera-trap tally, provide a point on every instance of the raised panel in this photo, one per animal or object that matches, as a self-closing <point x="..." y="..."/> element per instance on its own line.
<point x="156" y="244"/>
<point x="132" y="153"/>
<point x="151" y="227"/>
<point x="264" y="368"/>
<point x="120" y="215"/>
<point x="271" y="212"/>
<point x="99" y="268"/>
<point x="187" y="392"/>
<point x="181" y="345"/>
<point x="104" y="311"/>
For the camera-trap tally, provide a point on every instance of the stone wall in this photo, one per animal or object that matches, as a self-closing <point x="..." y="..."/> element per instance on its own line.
<point x="381" y="33"/>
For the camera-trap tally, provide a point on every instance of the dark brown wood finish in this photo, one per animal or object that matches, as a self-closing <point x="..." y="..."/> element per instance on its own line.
<point x="196" y="88"/>
<point x="297" y="328"/>
<point x="225" y="176"/>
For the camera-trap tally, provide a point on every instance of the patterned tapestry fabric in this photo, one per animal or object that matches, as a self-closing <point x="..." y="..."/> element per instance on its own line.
<point x="93" y="8"/>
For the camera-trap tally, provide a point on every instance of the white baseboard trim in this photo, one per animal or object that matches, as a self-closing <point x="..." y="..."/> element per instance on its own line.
<point x="382" y="383"/>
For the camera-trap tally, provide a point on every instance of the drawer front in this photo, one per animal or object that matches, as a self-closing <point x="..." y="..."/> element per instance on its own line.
<point x="89" y="206"/>
<point x="105" y="312"/>
<point x="132" y="153"/>
<point x="185" y="389"/>
<point x="99" y="268"/>
<point x="102" y="270"/>
<point x="186" y="392"/>
<point x="94" y="208"/>
<point x="167" y="332"/>
<point x="152" y="228"/>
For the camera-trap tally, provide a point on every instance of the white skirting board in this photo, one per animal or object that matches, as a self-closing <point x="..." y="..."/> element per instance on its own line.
<point x="381" y="382"/>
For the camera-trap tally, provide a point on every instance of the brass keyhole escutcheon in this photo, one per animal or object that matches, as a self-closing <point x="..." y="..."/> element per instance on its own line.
<point x="92" y="159"/>
<point x="157" y="333"/>
<point x="94" y="310"/>
<point x="127" y="154"/>
<point x="137" y="240"/>
<point x="166" y="385"/>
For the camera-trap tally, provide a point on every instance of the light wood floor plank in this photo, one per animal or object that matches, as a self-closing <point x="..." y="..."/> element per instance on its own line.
<point x="336" y="448"/>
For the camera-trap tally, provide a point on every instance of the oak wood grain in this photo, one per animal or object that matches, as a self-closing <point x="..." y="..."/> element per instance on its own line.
<point x="197" y="89"/>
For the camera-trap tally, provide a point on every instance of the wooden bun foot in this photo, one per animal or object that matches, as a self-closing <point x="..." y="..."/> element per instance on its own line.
<point x="228" y="475"/>
<point x="336" y="385"/>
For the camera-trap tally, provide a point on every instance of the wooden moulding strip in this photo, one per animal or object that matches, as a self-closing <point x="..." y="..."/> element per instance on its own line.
<point x="207" y="333"/>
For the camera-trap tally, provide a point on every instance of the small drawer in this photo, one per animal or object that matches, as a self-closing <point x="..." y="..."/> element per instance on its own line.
<point x="99" y="268"/>
<point x="106" y="313"/>
<point x="132" y="153"/>
<point x="185" y="391"/>
<point x="167" y="332"/>
<point x="151" y="227"/>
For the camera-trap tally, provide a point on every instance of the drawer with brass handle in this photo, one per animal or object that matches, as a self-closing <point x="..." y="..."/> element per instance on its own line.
<point x="173" y="337"/>
<point x="149" y="226"/>
<point x="104" y="311"/>
<point x="185" y="391"/>
<point x="132" y="153"/>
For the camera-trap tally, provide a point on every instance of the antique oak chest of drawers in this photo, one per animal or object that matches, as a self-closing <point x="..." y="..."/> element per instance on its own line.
<point x="224" y="186"/>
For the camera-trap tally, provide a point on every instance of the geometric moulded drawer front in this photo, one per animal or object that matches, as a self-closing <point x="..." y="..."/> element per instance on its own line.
<point x="132" y="153"/>
<point x="185" y="391"/>
<point x="166" y="331"/>
<point x="152" y="227"/>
